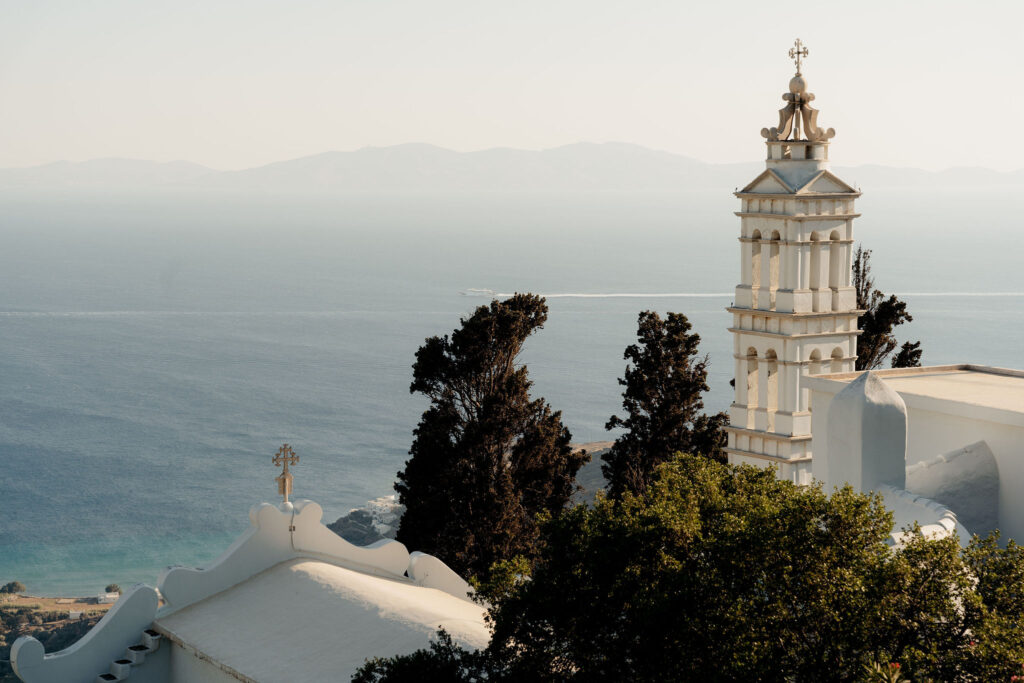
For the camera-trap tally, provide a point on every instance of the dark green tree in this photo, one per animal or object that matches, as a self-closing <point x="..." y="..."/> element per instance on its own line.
<point x="909" y="356"/>
<point x="881" y="316"/>
<point x="724" y="573"/>
<point x="445" y="661"/>
<point x="486" y="457"/>
<point x="13" y="587"/>
<point x="664" y="384"/>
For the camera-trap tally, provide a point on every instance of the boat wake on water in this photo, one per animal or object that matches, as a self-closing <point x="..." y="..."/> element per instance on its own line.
<point x="611" y="295"/>
<point x="696" y="295"/>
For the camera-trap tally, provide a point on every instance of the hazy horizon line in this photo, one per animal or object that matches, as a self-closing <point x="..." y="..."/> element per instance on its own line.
<point x="126" y="313"/>
<point x="494" y="148"/>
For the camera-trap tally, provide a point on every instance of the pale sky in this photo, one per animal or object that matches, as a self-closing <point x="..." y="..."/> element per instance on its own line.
<point x="239" y="83"/>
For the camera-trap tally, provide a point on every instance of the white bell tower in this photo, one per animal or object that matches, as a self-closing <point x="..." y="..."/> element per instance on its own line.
<point x="795" y="311"/>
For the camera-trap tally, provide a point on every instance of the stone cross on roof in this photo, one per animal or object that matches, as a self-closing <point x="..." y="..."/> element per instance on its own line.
<point x="797" y="52"/>
<point x="285" y="456"/>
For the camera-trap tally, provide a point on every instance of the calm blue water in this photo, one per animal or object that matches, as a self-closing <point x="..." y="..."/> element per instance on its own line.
<point x="154" y="353"/>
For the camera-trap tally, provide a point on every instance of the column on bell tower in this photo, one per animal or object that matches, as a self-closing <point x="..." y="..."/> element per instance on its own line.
<point x="794" y="312"/>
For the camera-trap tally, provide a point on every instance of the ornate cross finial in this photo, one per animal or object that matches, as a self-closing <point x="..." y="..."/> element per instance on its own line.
<point x="285" y="456"/>
<point x="797" y="52"/>
<point x="798" y="107"/>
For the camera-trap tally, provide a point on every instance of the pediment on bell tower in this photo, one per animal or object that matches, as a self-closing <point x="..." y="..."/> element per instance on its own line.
<point x="826" y="182"/>
<point x="769" y="182"/>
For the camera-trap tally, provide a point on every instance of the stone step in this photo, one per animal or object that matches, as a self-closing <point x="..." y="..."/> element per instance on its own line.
<point x="137" y="653"/>
<point x="121" y="669"/>
<point x="151" y="639"/>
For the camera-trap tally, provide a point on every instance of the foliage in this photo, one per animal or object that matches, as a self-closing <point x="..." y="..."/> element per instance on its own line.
<point x="663" y="402"/>
<point x="13" y="587"/>
<point x="724" y="573"/>
<point x="486" y="457"/>
<point x="444" y="661"/>
<point x="881" y="316"/>
<point x="890" y="672"/>
<point x="112" y="588"/>
<point x="909" y="356"/>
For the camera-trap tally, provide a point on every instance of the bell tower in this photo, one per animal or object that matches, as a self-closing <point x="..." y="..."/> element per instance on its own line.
<point x="794" y="312"/>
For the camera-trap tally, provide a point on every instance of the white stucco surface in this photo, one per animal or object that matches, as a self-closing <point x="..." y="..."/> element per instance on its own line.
<point x="289" y="600"/>
<point x="306" y="620"/>
<point x="427" y="570"/>
<point x="794" y="313"/>
<point x="867" y="426"/>
<point x="951" y="408"/>
<point x="934" y="520"/>
<point x="276" y="533"/>
<point x="965" y="480"/>
<point x="187" y="666"/>
<point x="988" y="388"/>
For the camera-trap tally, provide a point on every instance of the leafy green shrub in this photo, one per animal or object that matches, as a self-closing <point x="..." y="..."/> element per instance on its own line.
<point x="724" y="573"/>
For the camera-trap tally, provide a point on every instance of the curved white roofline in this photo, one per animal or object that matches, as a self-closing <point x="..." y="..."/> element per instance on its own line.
<point x="277" y="534"/>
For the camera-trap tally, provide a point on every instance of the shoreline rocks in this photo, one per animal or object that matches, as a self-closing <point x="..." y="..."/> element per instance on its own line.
<point x="375" y="521"/>
<point x="379" y="518"/>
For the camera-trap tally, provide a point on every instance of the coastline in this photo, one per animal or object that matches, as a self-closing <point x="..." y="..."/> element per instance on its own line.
<point x="376" y="519"/>
<point x="55" y="604"/>
<point x="60" y="621"/>
<point x="55" y="622"/>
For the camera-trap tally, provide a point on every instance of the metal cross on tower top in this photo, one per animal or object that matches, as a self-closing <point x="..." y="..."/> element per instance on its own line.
<point x="797" y="52"/>
<point x="285" y="456"/>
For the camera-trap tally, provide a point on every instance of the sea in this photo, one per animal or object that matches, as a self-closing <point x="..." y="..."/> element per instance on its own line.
<point x="156" y="350"/>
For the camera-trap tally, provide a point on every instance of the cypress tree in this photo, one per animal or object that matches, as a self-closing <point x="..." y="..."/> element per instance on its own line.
<point x="664" y="384"/>
<point x="486" y="458"/>
<point x="881" y="316"/>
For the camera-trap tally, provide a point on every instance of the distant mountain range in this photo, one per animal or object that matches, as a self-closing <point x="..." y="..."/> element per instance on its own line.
<point x="102" y="174"/>
<point x="582" y="167"/>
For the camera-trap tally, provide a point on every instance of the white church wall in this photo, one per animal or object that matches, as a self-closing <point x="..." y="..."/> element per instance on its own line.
<point x="867" y="435"/>
<point x="821" y="404"/>
<point x="155" y="668"/>
<point x="187" y="667"/>
<point x="965" y="480"/>
<point x="276" y="533"/>
<point x="430" y="572"/>
<point x="936" y="426"/>
<point x="934" y="519"/>
<point x="932" y="432"/>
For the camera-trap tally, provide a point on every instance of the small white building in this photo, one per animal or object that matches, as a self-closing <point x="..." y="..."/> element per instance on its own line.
<point x="963" y="447"/>
<point x="289" y="601"/>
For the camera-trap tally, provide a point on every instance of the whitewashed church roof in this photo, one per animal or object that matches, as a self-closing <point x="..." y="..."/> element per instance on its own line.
<point x="999" y="392"/>
<point x="309" y="620"/>
<point x="289" y="600"/>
